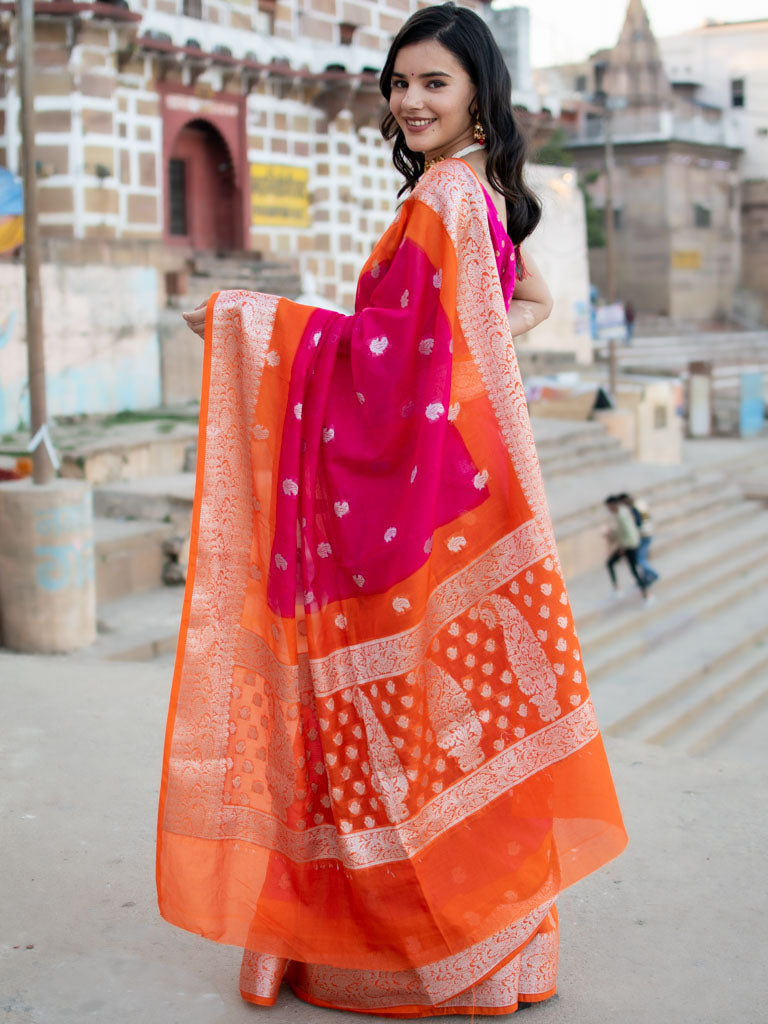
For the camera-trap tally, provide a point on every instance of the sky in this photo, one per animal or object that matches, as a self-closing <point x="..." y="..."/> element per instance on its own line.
<point x="568" y="30"/>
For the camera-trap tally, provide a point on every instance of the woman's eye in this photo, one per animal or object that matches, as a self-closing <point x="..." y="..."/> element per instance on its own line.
<point x="398" y="85"/>
<point x="436" y="84"/>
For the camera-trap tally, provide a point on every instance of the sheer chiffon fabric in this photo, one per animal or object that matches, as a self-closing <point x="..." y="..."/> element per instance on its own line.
<point x="379" y="790"/>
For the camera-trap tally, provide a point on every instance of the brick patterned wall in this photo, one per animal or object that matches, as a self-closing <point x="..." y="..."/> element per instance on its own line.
<point x="99" y="124"/>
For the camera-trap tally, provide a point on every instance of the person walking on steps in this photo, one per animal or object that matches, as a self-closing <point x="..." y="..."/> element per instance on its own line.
<point x="641" y="513"/>
<point x="625" y="536"/>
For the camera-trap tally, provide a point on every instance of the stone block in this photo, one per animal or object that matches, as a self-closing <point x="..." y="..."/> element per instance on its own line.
<point x="148" y="108"/>
<point x="53" y="159"/>
<point x="318" y="29"/>
<point x="51" y="56"/>
<point x="101" y="200"/>
<point x="142" y="209"/>
<point x="93" y="34"/>
<point x="356" y="14"/>
<point x="96" y="59"/>
<point x="52" y="83"/>
<point x="98" y="122"/>
<point x="99" y="156"/>
<point x="50" y="32"/>
<point x="372" y="41"/>
<point x="100" y="231"/>
<point x="389" y="23"/>
<point x="55" y="199"/>
<point x="147" y="170"/>
<point x="102" y="86"/>
<point x="52" y="121"/>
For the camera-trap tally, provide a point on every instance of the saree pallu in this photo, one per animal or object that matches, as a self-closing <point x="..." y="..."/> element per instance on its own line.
<point x="382" y="763"/>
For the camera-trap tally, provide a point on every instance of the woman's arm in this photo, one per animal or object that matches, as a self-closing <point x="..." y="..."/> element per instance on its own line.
<point x="532" y="300"/>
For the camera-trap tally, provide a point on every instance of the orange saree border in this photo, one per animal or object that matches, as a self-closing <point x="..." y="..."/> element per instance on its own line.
<point x="490" y="978"/>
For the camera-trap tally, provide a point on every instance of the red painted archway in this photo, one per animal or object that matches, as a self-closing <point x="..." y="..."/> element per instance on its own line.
<point x="205" y="169"/>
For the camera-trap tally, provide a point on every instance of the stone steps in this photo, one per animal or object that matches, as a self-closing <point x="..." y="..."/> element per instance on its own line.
<point x="223" y="273"/>
<point x="128" y="556"/>
<point x="719" y="704"/>
<point x="583" y="456"/>
<point x="139" y="627"/>
<point x="696" y="694"/>
<point x="127" y="452"/>
<point x="693" y="601"/>
<point x="597" y="611"/>
<point x="162" y="498"/>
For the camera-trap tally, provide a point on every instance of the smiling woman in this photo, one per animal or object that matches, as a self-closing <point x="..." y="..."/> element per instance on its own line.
<point x="382" y="763"/>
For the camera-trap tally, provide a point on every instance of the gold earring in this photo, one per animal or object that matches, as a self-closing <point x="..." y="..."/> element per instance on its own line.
<point x="478" y="132"/>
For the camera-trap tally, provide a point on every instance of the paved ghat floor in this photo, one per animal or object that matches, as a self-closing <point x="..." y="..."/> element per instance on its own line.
<point x="674" y="931"/>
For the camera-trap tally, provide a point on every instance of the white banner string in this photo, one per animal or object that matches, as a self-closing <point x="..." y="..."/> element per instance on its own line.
<point x="43" y="437"/>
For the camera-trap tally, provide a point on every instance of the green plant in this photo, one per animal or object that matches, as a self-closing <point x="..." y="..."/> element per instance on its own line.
<point x="595" y="223"/>
<point x="554" y="150"/>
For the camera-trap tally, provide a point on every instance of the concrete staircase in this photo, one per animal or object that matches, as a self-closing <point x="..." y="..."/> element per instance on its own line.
<point x="688" y="671"/>
<point x="219" y="273"/>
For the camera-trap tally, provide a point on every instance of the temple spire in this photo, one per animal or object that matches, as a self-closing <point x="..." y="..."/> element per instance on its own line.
<point x="636" y="73"/>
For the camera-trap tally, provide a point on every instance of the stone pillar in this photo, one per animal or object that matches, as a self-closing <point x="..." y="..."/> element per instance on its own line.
<point x="47" y="594"/>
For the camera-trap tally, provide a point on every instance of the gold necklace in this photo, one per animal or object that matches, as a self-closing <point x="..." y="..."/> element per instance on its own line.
<point x="429" y="164"/>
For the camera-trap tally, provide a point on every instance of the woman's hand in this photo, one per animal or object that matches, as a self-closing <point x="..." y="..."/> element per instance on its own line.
<point x="195" y="320"/>
<point x="531" y="302"/>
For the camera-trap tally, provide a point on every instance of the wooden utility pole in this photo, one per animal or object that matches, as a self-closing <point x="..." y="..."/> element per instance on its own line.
<point x="25" y="39"/>
<point x="610" y="226"/>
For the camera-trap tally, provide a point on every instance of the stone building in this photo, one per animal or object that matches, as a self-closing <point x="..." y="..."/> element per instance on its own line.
<point x="676" y="180"/>
<point x="211" y="125"/>
<point x="725" y="65"/>
<point x="169" y="128"/>
<point x="171" y="134"/>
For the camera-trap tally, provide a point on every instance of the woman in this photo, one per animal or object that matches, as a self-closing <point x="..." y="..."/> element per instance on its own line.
<point x="382" y="764"/>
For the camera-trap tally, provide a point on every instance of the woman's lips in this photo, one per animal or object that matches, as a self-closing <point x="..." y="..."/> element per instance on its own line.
<point x="419" y="124"/>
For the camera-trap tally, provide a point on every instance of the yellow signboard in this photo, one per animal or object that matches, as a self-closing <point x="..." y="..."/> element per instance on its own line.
<point x="686" y="259"/>
<point x="279" y="195"/>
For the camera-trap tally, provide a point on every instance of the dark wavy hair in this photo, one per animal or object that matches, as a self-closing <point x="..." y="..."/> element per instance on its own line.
<point x="469" y="39"/>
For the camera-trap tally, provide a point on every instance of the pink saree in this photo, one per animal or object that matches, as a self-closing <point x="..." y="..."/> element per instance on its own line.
<point x="382" y="763"/>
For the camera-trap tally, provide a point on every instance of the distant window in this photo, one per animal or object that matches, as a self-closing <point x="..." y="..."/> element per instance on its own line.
<point x="737" y="92"/>
<point x="660" y="419"/>
<point x="761" y="132"/>
<point x="702" y="216"/>
<point x="346" y="33"/>
<point x="177" y="188"/>
<point x="192" y="8"/>
<point x="580" y="84"/>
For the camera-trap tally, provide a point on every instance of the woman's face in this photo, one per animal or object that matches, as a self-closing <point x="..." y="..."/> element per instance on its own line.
<point x="430" y="100"/>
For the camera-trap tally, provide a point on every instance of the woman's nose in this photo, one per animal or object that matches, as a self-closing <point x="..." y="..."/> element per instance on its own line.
<point x="411" y="100"/>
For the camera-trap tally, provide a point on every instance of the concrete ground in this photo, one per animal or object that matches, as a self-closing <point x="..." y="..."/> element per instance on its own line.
<point x="675" y="931"/>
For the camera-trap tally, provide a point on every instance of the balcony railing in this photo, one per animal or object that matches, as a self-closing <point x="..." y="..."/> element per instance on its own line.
<point x="660" y="126"/>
